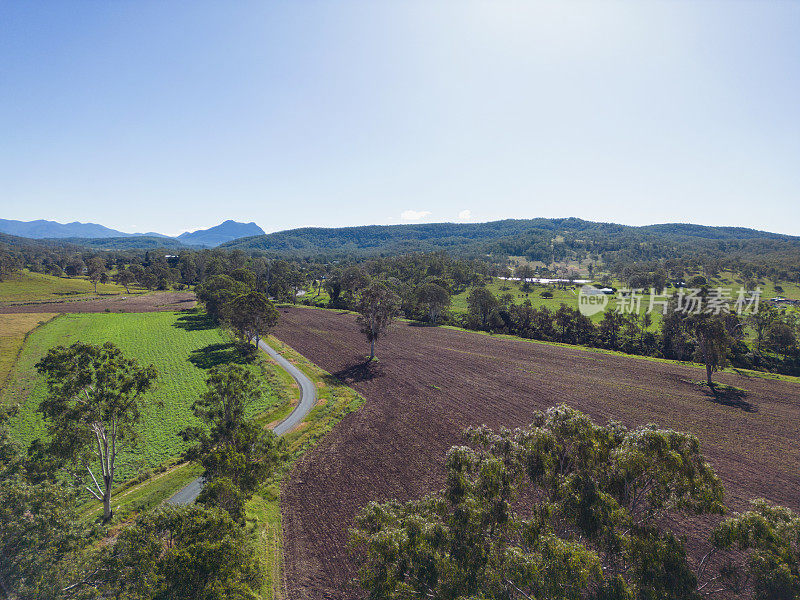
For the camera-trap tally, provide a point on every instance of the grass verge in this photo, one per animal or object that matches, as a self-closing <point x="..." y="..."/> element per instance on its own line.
<point x="334" y="401"/>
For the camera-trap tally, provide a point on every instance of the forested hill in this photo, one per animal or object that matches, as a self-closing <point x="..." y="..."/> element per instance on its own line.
<point x="538" y="239"/>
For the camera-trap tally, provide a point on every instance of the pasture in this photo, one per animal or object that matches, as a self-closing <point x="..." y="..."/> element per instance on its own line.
<point x="181" y="345"/>
<point x="25" y="286"/>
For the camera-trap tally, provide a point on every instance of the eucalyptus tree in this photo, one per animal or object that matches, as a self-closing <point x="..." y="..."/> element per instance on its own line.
<point x="591" y="524"/>
<point x="94" y="401"/>
<point x="713" y="342"/>
<point x="250" y="315"/>
<point x="481" y="303"/>
<point x="237" y="453"/>
<point x="377" y="307"/>
<point x="124" y="278"/>
<point x="434" y="298"/>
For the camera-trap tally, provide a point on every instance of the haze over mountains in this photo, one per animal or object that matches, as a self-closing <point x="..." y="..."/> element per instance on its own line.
<point x="92" y="232"/>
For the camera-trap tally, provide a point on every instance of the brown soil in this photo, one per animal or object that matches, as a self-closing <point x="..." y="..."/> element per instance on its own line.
<point x="141" y="303"/>
<point x="431" y="383"/>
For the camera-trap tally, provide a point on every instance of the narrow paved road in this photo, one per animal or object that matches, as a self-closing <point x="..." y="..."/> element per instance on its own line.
<point x="308" y="397"/>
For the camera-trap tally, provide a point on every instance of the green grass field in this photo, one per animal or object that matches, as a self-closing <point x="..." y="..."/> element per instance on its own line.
<point x="560" y="296"/>
<point x="182" y="346"/>
<point x="264" y="523"/>
<point x="25" y="286"/>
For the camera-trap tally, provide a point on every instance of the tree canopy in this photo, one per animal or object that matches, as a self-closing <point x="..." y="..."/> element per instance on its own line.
<point x="561" y="509"/>
<point x="377" y="307"/>
<point x="94" y="401"/>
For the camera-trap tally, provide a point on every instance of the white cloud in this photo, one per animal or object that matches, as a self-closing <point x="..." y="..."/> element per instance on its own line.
<point x="465" y="215"/>
<point x="414" y="215"/>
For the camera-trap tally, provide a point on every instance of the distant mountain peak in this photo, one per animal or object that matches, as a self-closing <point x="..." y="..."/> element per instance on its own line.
<point x="227" y="231"/>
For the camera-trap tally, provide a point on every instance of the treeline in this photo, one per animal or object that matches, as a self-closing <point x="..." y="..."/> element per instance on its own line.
<point x="424" y="285"/>
<point x="673" y="251"/>
<point x="674" y="336"/>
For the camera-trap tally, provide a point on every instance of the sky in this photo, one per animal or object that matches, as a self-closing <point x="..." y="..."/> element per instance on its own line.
<point x="173" y="116"/>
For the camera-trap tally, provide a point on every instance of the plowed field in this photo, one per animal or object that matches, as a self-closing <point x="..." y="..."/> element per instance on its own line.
<point x="158" y="301"/>
<point x="431" y="383"/>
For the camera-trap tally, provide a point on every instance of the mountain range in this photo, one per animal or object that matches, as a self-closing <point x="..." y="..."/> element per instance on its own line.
<point x="542" y="240"/>
<point x="100" y="236"/>
<point x="535" y="238"/>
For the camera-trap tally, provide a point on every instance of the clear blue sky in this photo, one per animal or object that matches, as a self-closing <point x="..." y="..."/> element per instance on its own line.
<point x="169" y="116"/>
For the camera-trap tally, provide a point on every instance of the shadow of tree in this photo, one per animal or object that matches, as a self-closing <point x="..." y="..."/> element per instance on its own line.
<point x="369" y="369"/>
<point x="217" y="354"/>
<point x="194" y="321"/>
<point x="730" y="396"/>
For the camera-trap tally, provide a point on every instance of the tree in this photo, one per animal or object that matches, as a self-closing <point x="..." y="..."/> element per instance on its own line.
<point x="712" y="341"/>
<point x="187" y="268"/>
<point x="184" y="553"/>
<point x="481" y="303"/>
<point x="237" y="453"/>
<point x="760" y="321"/>
<point x="522" y="316"/>
<point x="250" y="315"/>
<point x="216" y="291"/>
<point x="125" y="278"/>
<point x="377" y="307"/>
<point x="7" y="264"/>
<point x="610" y="328"/>
<point x="283" y="279"/>
<point x="97" y="269"/>
<point x="42" y="537"/>
<point x="333" y="285"/>
<point x="40" y="531"/>
<point x="95" y="397"/>
<point x="434" y="298"/>
<point x="768" y="557"/>
<point x="353" y="279"/>
<point x="782" y="338"/>
<point x="75" y="266"/>
<point x="245" y="276"/>
<point x="590" y="526"/>
<point x="524" y="273"/>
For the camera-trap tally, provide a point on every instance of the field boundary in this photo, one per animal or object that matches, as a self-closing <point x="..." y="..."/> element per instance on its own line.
<point x="508" y="336"/>
<point x="7" y="376"/>
<point x="334" y="401"/>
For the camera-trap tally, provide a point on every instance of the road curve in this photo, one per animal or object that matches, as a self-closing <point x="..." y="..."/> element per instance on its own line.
<point x="308" y="398"/>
